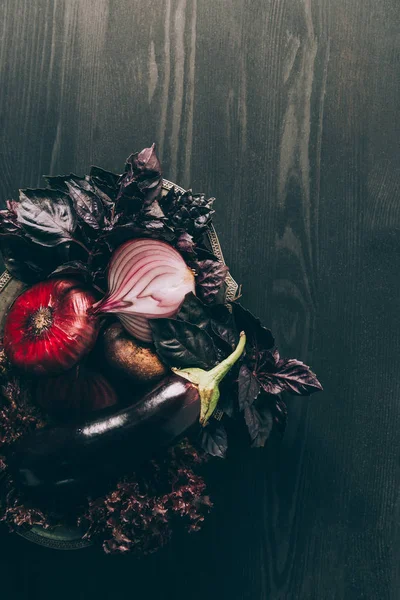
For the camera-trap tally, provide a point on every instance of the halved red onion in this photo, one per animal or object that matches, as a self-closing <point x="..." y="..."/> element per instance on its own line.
<point x="147" y="279"/>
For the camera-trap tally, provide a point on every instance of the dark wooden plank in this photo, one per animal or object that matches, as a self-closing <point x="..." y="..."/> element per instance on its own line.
<point x="287" y="112"/>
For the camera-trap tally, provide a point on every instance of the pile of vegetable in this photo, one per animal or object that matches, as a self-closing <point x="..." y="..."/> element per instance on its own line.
<point x="122" y="362"/>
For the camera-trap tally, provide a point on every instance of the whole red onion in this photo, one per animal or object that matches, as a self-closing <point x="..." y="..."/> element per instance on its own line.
<point x="147" y="279"/>
<point x="75" y="393"/>
<point x="48" y="329"/>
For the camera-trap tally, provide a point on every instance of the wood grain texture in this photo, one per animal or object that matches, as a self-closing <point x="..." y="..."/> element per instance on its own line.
<point x="287" y="112"/>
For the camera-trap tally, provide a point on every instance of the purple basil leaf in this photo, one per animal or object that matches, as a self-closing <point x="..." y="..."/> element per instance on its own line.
<point x="150" y="224"/>
<point x="249" y="387"/>
<point x="142" y="177"/>
<point x="12" y="206"/>
<point x="259" y="421"/>
<point x="185" y="243"/>
<point x="75" y="268"/>
<point x="223" y="325"/>
<point x="87" y="205"/>
<point x="252" y="421"/>
<point x="258" y="337"/>
<point x="59" y="182"/>
<point x="187" y="212"/>
<point x="210" y="277"/>
<point x="228" y="404"/>
<point x="105" y="198"/>
<point x="47" y="216"/>
<point x="27" y="261"/>
<point x="106" y="183"/>
<point x="8" y="221"/>
<point x="267" y="361"/>
<point x="129" y="206"/>
<point x="194" y="311"/>
<point x="169" y="201"/>
<point x="203" y="253"/>
<point x="14" y="251"/>
<point x="126" y="231"/>
<point x="291" y="376"/>
<point x="181" y="344"/>
<point x="214" y="439"/>
<point x="153" y="211"/>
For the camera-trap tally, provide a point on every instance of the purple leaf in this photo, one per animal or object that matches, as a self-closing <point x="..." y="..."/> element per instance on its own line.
<point x="59" y="182"/>
<point x="153" y="211"/>
<point x="87" y="206"/>
<point x="181" y="344"/>
<point x="76" y="268"/>
<point x="194" y="311"/>
<point x="210" y="277"/>
<point x="258" y="337"/>
<point x="228" y="400"/>
<point x="105" y="184"/>
<point x="249" y="387"/>
<point x="15" y="251"/>
<point x="223" y="325"/>
<point x="187" y="212"/>
<point x="185" y="243"/>
<point x="8" y="220"/>
<point x="27" y="261"/>
<point x="126" y="231"/>
<point x="214" y="439"/>
<point x="143" y="176"/>
<point x="291" y="376"/>
<point x="259" y="421"/>
<point x="47" y="216"/>
<point x="12" y="206"/>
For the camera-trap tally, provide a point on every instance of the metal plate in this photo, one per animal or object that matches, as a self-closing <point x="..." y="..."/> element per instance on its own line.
<point x="69" y="538"/>
<point x="58" y="538"/>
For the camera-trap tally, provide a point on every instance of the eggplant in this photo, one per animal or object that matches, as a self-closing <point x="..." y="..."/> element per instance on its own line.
<point x="57" y="463"/>
<point x="60" y="461"/>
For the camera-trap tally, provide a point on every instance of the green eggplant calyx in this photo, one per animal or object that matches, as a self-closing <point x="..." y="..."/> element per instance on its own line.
<point x="208" y="381"/>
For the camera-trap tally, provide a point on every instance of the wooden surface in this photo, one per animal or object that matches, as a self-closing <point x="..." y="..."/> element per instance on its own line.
<point x="288" y="112"/>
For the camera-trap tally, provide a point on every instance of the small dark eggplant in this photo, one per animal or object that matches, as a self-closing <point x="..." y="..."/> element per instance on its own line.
<point x="68" y="459"/>
<point x="60" y="462"/>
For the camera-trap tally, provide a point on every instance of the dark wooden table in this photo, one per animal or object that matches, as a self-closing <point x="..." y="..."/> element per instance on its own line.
<point x="288" y="112"/>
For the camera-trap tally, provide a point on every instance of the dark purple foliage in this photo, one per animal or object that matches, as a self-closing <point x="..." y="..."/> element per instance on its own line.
<point x="140" y="514"/>
<point x="182" y="344"/>
<point x="185" y="244"/>
<point x="87" y="205"/>
<point x="248" y="387"/>
<point x="47" y="216"/>
<point x="210" y="277"/>
<point x="259" y="421"/>
<point x="258" y="337"/>
<point x="188" y="212"/>
<point x="142" y="178"/>
<point x="278" y="375"/>
<point x="194" y="311"/>
<point x="85" y="218"/>
<point x="214" y="439"/>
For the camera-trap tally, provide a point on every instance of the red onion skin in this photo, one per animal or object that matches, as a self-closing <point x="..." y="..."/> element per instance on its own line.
<point x="75" y="393"/>
<point x="48" y="329"/>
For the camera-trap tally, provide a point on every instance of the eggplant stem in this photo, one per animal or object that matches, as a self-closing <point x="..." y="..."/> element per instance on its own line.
<point x="208" y="381"/>
<point x="219" y="371"/>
